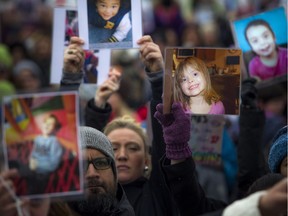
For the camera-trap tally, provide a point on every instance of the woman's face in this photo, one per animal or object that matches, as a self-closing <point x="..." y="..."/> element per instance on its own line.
<point x="107" y="8"/>
<point x="129" y="154"/>
<point x="193" y="82"/>
<point x="261" y="40"/>
<point x="283" y="167"/>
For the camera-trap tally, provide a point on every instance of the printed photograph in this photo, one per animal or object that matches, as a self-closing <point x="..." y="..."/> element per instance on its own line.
<point x="203" y="80"/>
<point x="110" y="24"/>
<point x="94" y="70"/>
<point x="263" y="40"/>
<point x="41" y="141"/>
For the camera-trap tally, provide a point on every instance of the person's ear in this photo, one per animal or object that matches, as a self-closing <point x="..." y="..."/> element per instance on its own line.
<point x="147" y="163"/>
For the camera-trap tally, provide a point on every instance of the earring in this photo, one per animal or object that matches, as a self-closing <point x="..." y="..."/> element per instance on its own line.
<point x="146" y="168"/>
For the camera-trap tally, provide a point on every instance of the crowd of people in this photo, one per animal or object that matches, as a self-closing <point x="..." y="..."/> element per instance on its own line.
<point x="136" y="158"/>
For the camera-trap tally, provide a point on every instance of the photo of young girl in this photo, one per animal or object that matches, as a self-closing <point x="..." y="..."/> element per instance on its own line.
<point x="194" y="90"/>
<point x="206" y="81"/>
<point x="270" y="60"/>
<point x="266" y="36"/>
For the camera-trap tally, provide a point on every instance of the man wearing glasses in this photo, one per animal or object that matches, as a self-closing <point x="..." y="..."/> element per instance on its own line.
<point x="103" y="194"/>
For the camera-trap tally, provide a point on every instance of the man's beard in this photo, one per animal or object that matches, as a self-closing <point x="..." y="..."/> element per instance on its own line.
<point x="101" y="204"/>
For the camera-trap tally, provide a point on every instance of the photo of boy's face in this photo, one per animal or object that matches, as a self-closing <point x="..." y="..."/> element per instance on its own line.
<point x="107" y="8"/>
<point x="49" y="126"/>
<point x="261" y="40"/>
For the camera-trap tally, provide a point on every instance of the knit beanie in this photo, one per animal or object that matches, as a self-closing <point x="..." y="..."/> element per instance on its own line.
<point x="27" y="65"/>
<point x="92" y="138"/>
<point x="278" y="150"/>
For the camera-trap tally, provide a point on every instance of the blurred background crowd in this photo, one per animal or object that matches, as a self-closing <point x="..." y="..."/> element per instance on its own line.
<point x="26" y="28"/>
<point x="26" y="31"/>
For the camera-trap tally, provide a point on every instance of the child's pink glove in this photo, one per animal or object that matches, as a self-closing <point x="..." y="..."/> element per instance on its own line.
<point x="176" y="131"/>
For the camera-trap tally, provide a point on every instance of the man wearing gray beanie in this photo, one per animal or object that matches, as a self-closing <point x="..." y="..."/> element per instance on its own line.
<point x="104" y="196"/>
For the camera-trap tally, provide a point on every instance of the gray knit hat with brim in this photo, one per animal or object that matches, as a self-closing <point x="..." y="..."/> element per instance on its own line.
<point x="278" y="150"/>
<point x="92" y="138"/>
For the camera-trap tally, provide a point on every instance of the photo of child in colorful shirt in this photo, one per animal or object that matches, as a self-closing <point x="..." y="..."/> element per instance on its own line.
<point x="45" y="156"/>
<point x="109" y="21"/>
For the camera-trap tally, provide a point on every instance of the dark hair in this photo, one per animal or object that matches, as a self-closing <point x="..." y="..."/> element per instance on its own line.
<point x="265" y="182"/>
<point x="256" y="23"/>
<point x="57" y="122"/>
<point x="123" y="3"/>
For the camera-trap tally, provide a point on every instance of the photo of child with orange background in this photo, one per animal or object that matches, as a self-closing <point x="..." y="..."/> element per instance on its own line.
<point x="40" y="141"/>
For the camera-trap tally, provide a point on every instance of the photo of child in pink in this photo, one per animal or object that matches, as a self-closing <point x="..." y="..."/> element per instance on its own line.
<point x="194" y="90"/>
<point x="270" y="60"/>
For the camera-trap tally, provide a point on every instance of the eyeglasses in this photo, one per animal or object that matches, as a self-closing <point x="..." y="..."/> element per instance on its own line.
<point x="99" y="163"/>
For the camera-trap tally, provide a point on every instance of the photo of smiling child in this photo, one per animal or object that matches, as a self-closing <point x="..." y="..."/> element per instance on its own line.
<point x="263" y="38"/>
<point x="205" y="81"/>
<point x="270" y="60"/>
<point x="111" y="17"/>
<point x="194" y="90"/>
<point x="110" y="23"/>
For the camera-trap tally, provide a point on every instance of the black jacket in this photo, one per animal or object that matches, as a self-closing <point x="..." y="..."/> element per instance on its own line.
<point x="122" y="208"/>
<point x="149" y="197"/>
<point x="180" y="178"/>
<point x="251" y="159"/>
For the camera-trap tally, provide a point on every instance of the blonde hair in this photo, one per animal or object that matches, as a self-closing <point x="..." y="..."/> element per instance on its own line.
<point x="209" y="94"/>
<point x="127" y="121"/>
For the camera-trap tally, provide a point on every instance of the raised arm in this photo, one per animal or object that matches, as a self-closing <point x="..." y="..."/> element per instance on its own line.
<point x="251" y="160"/>
<point x="98" y="110"/>
<point x="152" y="59"/>
<point x="74" y="57"/>
<point x="178" y="165"/>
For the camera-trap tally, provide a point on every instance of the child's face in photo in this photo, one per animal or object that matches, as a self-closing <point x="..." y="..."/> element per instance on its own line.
<point x="193" y="82"/>
<point x="107" y="8"/>
<point x="48" y="126"/>
<point x="261" y="40"/>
